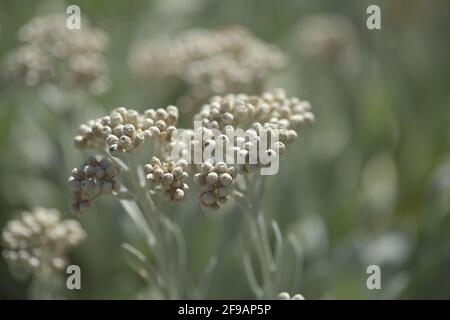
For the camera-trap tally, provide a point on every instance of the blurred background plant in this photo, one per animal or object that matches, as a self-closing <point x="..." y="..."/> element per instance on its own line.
<point x="369" y="185"/>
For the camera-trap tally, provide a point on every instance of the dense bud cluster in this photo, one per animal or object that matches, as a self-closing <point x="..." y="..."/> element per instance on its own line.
<point x="271" y="109"/>
<point x="89" y="180"/>
<point x="53" y="53"/>
<point x="216" y="181"/>
<point x="125" y="130"/>
<point x="168" y="177"/>
<point x="40" y="239"/>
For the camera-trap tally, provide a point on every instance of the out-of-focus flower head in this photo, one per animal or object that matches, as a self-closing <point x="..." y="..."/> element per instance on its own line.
<point x="126" y="130"/>
<point x="92" y="178"/>
<point x="52" y="53"/>
<point x="328" y="38"/>
<point x="209" y="62"/>
<point x="40" y="239"/>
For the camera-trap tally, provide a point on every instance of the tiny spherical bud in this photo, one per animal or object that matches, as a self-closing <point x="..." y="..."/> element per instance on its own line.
<point x="106" y="131"/>
<point x="125" y="141"/>
<point x="225" y="179"/>
<point x="147" y="134"/>
<point x="212" y="178"/>
<point x="155" y="161"/>
<point x="284" y="296"/>
<point x="167" y="179"/>
<point x="158" y="173"/>
<point x="139" y="139"/>
<point x="118" y="130"/>
<point x="206" y="167"/>
<point x="178" y="172"/>
<point x="85" y="130"/>
<point x="112" y="139"/>
<point x="183" y="164"/>
<point x="154" y="131"/>
<point x="147" y="123"/>
<point x="232" y="171"/>
<point x="221" y="167"/>
<point x="129" y="131"/>
<point x="116" y="119"/>
<point x="178" y="194"/>
<point x="148" y="168"/>
<point x="160" y="124"/>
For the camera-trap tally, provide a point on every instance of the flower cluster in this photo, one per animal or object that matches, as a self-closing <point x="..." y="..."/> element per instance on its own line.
<point x="216" y="181"/>
<point x="40" y="239"/>
<point x="53" y="53"/>
<point x="248" y="125"/>
<point x="91" y="179"/>
<point x="168" y="177"/>
<point x="125" y="130"/>
<point x="271" y="109"/>
<point x="210" y="62"/>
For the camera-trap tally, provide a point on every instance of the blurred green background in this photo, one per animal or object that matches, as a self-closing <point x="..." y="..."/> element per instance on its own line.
<point x="369" y="183"/>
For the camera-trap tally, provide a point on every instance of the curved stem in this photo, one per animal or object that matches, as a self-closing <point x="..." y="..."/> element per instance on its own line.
<point x="147" y="205"/>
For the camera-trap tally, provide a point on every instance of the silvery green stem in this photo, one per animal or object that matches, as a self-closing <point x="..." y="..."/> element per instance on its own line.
<point x="164" y="232"/>
<point x="253" y="193"/>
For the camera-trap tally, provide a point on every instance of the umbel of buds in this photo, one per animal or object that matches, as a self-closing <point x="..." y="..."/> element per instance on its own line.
<point x="52" y="53"/>
<point x="168" y="177"/>
<point x="94" y="177"/>
<point x="216" y="182"/>
<point x="271" y="109"/>
<point x="40" y="239"/>
<point x="125" y="130"/>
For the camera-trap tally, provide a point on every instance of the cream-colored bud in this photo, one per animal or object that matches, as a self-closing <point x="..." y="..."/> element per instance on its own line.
<point x="148" y="168"/>
<point x="212" y="178"/>
<point x="178" y="194"/>
<point x="225" y="179"/>
<point x="160" y="124"/>
<point x="112" y="139"/>
<point x="129" y="130"/>
<point x="207" y="167"/>
<point x="221" y="167"/>
<point x="167" y="179"/>
<point x="125" y="142"/>
<point x="158" y="173"/>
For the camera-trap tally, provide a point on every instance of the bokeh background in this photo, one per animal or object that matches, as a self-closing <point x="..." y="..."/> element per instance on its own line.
<point x="369" y="183"/>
